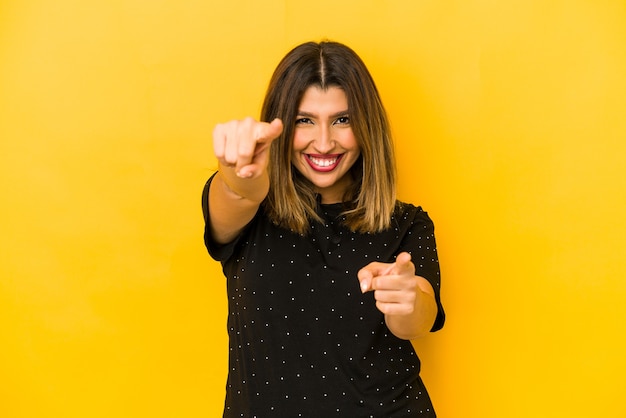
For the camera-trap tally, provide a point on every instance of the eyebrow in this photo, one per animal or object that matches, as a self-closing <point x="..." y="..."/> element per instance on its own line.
<point x="314" y="116"/>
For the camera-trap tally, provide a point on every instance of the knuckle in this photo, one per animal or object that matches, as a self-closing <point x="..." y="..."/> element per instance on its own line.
<point x="245" y="149"/>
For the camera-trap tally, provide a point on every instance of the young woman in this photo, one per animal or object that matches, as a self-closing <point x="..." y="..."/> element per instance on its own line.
<point x="328" y="275"/>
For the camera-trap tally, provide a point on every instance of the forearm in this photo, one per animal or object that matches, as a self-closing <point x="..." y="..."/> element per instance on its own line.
<point x="233" y="202"/>
<point x="419" y="322"/>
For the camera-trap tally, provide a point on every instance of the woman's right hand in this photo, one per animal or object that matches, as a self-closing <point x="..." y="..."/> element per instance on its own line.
<point x="243" y="145"/>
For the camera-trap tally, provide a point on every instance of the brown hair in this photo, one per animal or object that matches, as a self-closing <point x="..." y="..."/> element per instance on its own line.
<point x="291" y="201"/>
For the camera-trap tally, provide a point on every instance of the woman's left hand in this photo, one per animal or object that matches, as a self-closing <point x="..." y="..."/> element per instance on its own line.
<point x="395" y="285"/>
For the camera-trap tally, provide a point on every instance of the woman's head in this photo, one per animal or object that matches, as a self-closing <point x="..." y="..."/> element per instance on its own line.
<point x="370" y="199"/>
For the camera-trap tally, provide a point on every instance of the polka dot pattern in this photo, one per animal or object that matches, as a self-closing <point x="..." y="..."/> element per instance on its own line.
<point x="303" y="340"/>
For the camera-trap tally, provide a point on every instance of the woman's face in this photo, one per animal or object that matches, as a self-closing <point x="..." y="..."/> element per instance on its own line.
<point x="324" y="146"/>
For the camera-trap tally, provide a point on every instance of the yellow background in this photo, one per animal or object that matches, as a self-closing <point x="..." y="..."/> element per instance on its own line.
<point x="510" y="118"/>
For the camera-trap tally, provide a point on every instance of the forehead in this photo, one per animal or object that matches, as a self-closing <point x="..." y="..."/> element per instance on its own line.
<point x="316" y="99"/>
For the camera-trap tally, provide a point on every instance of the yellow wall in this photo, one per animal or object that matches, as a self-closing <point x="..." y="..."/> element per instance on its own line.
<point x="511" y="128"/>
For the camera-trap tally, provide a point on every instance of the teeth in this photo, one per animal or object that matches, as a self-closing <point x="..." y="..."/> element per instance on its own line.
<point x="323" y="162"/>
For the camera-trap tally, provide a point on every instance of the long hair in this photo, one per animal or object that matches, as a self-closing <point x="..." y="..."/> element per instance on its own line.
<point x="292" y="201"/>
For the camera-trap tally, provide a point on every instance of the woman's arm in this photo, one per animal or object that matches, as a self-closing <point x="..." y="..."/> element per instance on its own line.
<point x="242" y="150"/>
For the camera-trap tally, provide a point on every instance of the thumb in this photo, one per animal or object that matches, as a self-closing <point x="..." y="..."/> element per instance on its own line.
<point x="268" y="132"/>
<point x="276" y="127"/>
<point x="265" y="134"/>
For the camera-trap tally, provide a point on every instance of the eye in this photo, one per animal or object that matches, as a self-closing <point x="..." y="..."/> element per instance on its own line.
<point x="343" y="120"/>
<point x="302" y="121"/>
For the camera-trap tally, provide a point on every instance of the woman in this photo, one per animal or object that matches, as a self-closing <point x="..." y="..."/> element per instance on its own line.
<point x="328" y="275"/>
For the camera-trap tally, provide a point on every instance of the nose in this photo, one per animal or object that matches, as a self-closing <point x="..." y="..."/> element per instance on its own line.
<point x="324" y="142"/>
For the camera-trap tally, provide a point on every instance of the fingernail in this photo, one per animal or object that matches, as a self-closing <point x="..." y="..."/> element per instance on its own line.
<point x="363" y="287"/>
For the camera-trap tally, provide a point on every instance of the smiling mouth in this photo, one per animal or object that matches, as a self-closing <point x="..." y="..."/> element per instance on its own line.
<point x="323" y="163"/>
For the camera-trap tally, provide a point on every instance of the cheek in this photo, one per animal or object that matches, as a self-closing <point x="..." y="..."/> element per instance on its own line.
<point x="347" y="138"/>
<point x="350" y="142"/>
<point x="299" y="142"/>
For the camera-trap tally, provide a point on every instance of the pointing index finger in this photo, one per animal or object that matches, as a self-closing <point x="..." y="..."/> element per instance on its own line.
<point x="368" y="274"/>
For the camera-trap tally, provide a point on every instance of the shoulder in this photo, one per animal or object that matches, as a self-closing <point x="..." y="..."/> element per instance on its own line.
<point x="408" y="212"/>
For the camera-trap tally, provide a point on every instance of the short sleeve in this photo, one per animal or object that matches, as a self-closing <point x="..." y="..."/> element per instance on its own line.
<point x="420" y="242"/>
<point x="219" y="252"/>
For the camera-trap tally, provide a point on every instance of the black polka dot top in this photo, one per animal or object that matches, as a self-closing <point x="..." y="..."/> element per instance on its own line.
<point x="303" y="340"/>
